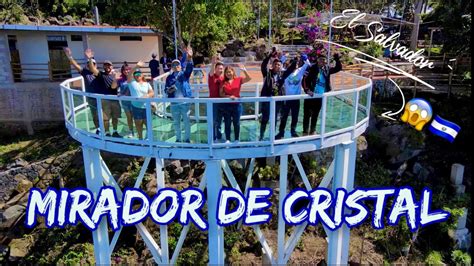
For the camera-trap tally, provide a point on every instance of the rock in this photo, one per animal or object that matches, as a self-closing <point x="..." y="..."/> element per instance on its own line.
<point x="417" y="168"/>
<point x="151" y="187"/>
<point x="18" y="163"/>
<point x="401" y="169"/>
<point x="362" y="143"/>
<point x="49" y="160"/>
<point x="457" y="173"/>
<point x="68" y="18"/>
<point x="20" y="177"/>
<point x="19" y="248"/>
<point x="235" y="165"/>
<point x="424" y="174"/>
<point x="460" y="189"/>
<point x="24" y="186"/>
<point x="19" y="199"/>
<point x="10" y="215"/>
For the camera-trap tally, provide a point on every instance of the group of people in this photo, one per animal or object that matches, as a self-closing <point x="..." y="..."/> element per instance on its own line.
<point x="278" y="80"/>
<point x="289" y="79"/>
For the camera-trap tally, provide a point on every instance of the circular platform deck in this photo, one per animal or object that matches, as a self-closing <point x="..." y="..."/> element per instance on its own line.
<point x="343" y="117"/>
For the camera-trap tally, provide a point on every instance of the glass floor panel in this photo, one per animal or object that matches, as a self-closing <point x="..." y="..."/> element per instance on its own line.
<point x="339" y="114"/>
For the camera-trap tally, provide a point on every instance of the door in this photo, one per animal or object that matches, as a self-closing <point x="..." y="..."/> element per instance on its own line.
<point x="14" y="58"/>
<point x="59" y="67"/>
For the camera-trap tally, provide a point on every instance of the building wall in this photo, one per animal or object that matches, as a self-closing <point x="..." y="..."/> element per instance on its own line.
<point x="29" y="106"/>
<point x="109" y="47"/>
<point x="34" y="55"/>
<point x="6" y="78"/>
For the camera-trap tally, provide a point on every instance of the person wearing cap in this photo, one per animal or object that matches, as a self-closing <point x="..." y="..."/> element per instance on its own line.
<point x="154" y="66"/>
<point x="177" y="86"/>
<point x="317" y="81"/>
<point x="107" y="85"/>
<point x="292" y="86"/>
<point x="89" y="82"/>
<point x="273" y="80"/>
<point x="139" y="88"/>
<point x="124" y="90"/>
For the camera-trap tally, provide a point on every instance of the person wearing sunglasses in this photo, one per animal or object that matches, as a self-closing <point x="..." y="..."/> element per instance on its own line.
<point x="139" y="88"/>
<point x="177" y="86"/>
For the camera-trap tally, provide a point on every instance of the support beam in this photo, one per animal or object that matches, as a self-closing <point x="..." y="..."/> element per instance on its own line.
<point x="282" y="195"/>
<point x="100" y="236"/>
<point x="338" y="246"/>
<point x="160" y="181"/>
<point x="213" y="175"/>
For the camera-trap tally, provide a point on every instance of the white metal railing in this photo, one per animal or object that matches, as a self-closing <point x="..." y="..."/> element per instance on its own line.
<point x="77" y="99"/>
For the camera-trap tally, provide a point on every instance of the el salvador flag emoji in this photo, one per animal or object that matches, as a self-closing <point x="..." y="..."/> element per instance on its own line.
<point x="444" y="128"/>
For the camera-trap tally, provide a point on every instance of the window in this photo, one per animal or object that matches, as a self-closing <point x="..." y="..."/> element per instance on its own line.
<point x="76" y="38"/>
<point x="131" y="38"/>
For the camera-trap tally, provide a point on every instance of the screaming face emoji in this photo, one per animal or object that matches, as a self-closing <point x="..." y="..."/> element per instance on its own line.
<point x="417" y="113"/>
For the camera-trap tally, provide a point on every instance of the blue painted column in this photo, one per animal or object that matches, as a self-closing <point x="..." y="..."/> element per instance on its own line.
<point x="213" y="176"/>
<point x="345" y="158"/>
<point x="94" y="179"/>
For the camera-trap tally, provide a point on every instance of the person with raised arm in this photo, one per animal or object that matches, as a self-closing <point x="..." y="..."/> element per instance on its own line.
<point x="214" y="81"/>
<point x="273" y="80"/>
<point x="107" y="85"/>
<point x="232" y="111"/>
<point x="140" y="88"/>
<point x="317" y="81"/>
<point x="177" y="86"/>
<point x="292" y="86"/>
<point x="89" y="83"/>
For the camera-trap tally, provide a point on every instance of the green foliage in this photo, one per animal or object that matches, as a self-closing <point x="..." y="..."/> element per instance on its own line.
<point x="372" y="48"/>
<point x="372" y="174"/>
<point x="269" y="172"/>
<point x="434" y="258"/>
<point x="454" y="17"/>
<point x="460" y="257"/>
<point x="78" y="254"/>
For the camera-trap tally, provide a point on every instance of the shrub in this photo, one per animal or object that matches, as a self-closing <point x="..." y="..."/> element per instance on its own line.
<point x="434" y="258"/>
<point x="460" y="257"/>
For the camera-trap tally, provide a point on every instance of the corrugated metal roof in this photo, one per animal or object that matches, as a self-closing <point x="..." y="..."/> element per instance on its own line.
<point x="85" y="29"/>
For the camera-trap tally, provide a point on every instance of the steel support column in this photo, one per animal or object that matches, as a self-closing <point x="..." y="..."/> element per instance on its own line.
<point x="213" y="175"/>
<point x="94" y="179"/>
<point x="345" y="157"/>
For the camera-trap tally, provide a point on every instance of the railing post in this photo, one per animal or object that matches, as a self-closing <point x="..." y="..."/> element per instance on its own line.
<point x="257" y="103"/>
<point x="100" y="116"/>
<point x="149" y="122"/>
<point x="272" y="123"/>
<point x="210" y="126"/>
<point x="323" y="118"/>
<point x="71" y="108"/>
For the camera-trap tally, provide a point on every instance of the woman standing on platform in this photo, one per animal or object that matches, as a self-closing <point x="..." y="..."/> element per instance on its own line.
<point x="232" y="111"/>
<point x="139" y="88"/>
<point x="122" y="82"/>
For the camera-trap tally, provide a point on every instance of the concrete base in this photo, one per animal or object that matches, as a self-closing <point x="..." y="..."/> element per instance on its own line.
<point x="30" y="106"/>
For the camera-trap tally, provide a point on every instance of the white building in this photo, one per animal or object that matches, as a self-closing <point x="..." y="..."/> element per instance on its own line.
<point x="32" y="63"/>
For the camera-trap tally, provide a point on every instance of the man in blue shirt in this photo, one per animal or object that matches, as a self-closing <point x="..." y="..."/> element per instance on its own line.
<point x="177" y="86"/>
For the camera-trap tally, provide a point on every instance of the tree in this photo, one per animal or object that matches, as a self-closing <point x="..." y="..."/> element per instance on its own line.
<point x="454" y="17"/>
